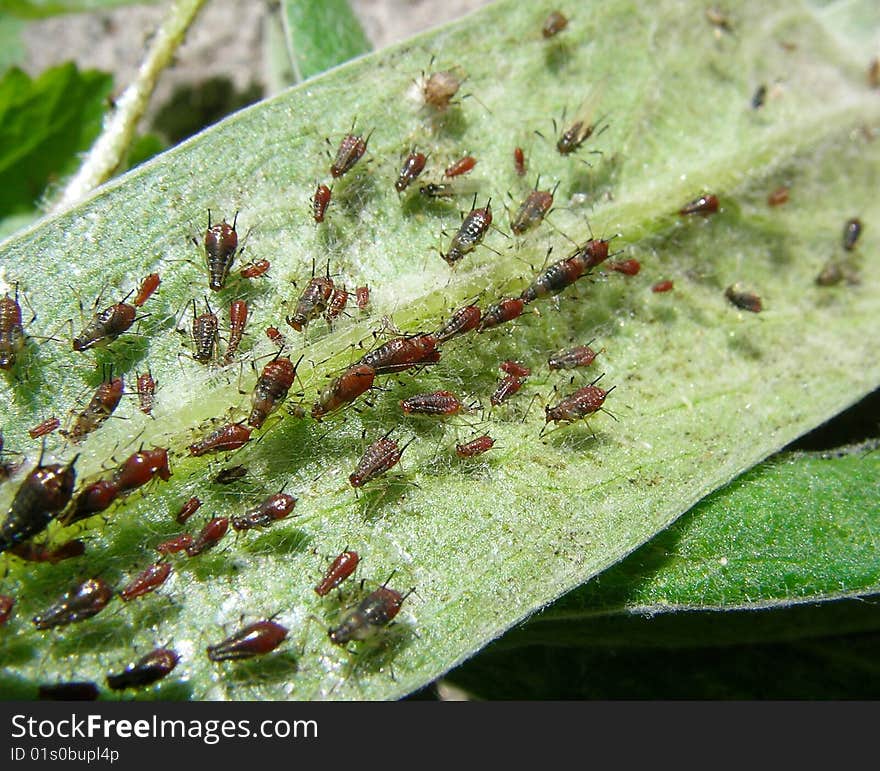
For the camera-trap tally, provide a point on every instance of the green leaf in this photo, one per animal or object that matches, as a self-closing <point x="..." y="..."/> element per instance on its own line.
<point x="37" y="9"/>
<point x="44" y="124"/>
<point x="703" y="390"/>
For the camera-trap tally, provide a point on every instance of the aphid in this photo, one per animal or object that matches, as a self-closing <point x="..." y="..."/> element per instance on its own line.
<point x="46" y="427"/>
<point x="176" y="544"/>
<point x="146" y="391"/>
<point x="238" y="314"/>
<point x="433" y="190"/>
<point x="514" y="368"/>
<point x="221" y="247"/>
<point x="340" y="569"/>
<point x="592" y="254"/>
<point x="778" y="196"/>
<point x="554" y="279"/>
<point x="470" y="234"/>
<point x="255" y="269"/>
<point x="43" y="493"/>
<point x="554" y="24"/>
<point x="507" y="387"/>
<point x="205" y="334"/>
<point x="146" y="671"/>
<point x="356" y="380"/>
<point x="105" y="400"/>
<point x="402" y="353"/>
<point x="461" y="166"/>
<point x="33" y="552"/>
<point x="439" y="88"/>
<point x="151" y="579"/>
<point x="105" y="327"/>
<point x="719" y="20"/>
<point x="663" y="286"/>
<point x="275" y="336"/>
<point x="187" y="510"/>
<point x="380" y="456"/>
<point x="434" y="403"/>
<point x="759" y="97"/>
<point x="312" y="302"/>
<point x="475" y="447"/>
<point x="254" y="640"/>
<point x="747" y="301"/>
<point x="320" y="201"/>
<point x="532" y="211"/>
<point x="271" y="389"/>
<point x="275" y="507"/>
<point x="11" y="330"/>
<point x="140" y="468"/>
<point x="373" y="613"/>
<point x="362" y="297"/>
<point x="874" y="73"/>
<point x="831" y="274"/>
<point x="412" y="167"/>
<point x="336" y="305"/>
<point x="576" y="134"/>
<point x="851" y="232"/>
<point x="224" y="439"/>
<point x="72" y="691"/>
<point x="350" y="151"/>
<point x="80" y="603"/>
<point x="705" y="205"/>
<point x="585" y="401"/>
<point x="630" y="267"/>
<point x="230" y="474"/>
<point x="93" y="498"/>
<point x="519" y="161"/>
<point x="572" y="358"/>
<point x="149" y="285"/>
<point x="209" y="536"/>
<point x="504" y="310"/>
<point x="465" y="319"/>
<point x="6" y="605"/>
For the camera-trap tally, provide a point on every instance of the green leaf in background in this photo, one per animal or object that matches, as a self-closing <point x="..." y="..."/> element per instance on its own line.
<point x="37" y="9"/>
<point x="703" y="390"/>
<point x="143" y="148"/>
<point x="44" y="124"/>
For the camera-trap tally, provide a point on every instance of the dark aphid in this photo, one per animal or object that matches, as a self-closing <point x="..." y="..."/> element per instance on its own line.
<point x="80" y="603"/>
<point x="221" y="247"/>
<point x="230" y="474"/>
<point x="851" y="232"/>
<point x="507" y="387"/>
<point x="778" y="196"/>
<point x="151" y="579"/>
<point x="554" y="24"/>
<point x="254" y="640"/>
<point x="140" y="468"/>
<point x="504" y="310"/>
<point x="340" y="569"/>
<point x="187" y="510"/>
<point x="146" y="391"/>
<point x="554" y="279"/>
<point x="515" y="368"/>
<point x="274" y="334"/>
<point x="356" y="380"/>
<point x="572" y="358"/>
<point x="575" y="135"/>
<point x="224" y="439"/>
<point x="351" y="150"/>
<point x="43" y="493"/>
<point x="433" y="190"/>
<point x="312" y="302"/>
<point x="107" y="397"/>
<point x="475" y="447"/>
<point x="373" y="613"/>
<point x="663" y="286"/>
<point x="11" y="330"/>
<point x="73" y="691"/>
<point x="874" y="73"/>
<point x="6" y="605"/>
<point x="380" y="456"/>
<point x="105" y="327"/>
<point x="146" y="671"/>
<point x="275" y="507"/>
<point x="412" y="167"/>
<point x="46" y="427"/>
<point x="705" y="205"/>
<point x="583" y="402"/>
<point x="209" y="536"/>
<point x="519" y="161"/>
<point x="205" y="334"/>
<point x="238" y="314"/>
<point x="630" y="267"/>
<point x="271" y="389"/>
<point x="336" y="305"/>
<point x="149" y="285"/>
<point x="435" y="403"/>
<point x="439" y="88"/>
<point x="532" y="211"/>
<point x="362" y="297"/>
<point x="176" y="544"/>
<point x="465" y="319"/>
<point x="320" y="201"/>
<point x="592" y="254"/>
<point x="33" y="552"/>
<point x="402" y="353"/>
<point x="461" y="166"/>
<point x="255" y="269"/>
<point x="719" y="20"/>
<point x="759" y="97"/>
<point x="92" y="499"/>
<point x="471" y="233"/>
<point x="747" y="301"/>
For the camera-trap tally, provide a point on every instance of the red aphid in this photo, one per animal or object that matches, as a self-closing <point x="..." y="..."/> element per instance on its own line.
<point x="176" y="544"/>
<point x="271" y="389"/>
<point x="320" y="202"/>
<point x="141" y="467"/>
<point x="475" y="447"/>
<point x="351" y="150"/>
<point x="46" y="427"/>
<point x="146" y="390"/>
<point x="105" y="400"/>
<point x="402" y="353"/>
<point x="33" y="552"/>
<point x="507" y="387"/>
<point x="209" y="537"/>
<point x="412" y="167"/>
<point x="435" y="403"/>
<point x="630" y="267"/>
<point x="255" y="269"/>
<point x="336" y="305"/>
<point x="356" y="380"/>
<point x="238" y="315"/>
<point x="662" y="286"/>
<point x="254" y="640"/>
<point x="226" y="438"/>
<point x="572" y="358"/>
<point x="362" y="297"/>
<point x="705" y="204"/>
<point x="519" y="161"/>
<point x="460" y="167"/>
<point x="105" y="327"/>
<point x="187" y="510"/>
<point x="275" y="336"/>
<point x="593" y="253"/>
<point x="374" y="612"/>
<point x="583" y="402"/>
<point x="149" y="285"/>
<point x="340" y="569"/>
<point x="146" y="671"/>
<point x="11" y="330"/>
<point x="514" y="368"/>
<point x="93" y="498"/>
<point x="82" y="602"/>
<point x="380" y="456"/>
<point x="150" y="580"/>
<point x="6" y="605"/>
<point x="275" y="507"/>
<point x="465" y="319"/>
<point x="504" y="310"/>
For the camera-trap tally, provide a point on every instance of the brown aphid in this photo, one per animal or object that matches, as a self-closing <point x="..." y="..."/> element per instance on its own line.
<point x="142" y="467"/>
<point x="554" y="279"/>
<point x="874" y="73"/>
<point x="12" y="335"/>
<point x="105" y="400"/>
<point x="515" y="368"/>
<point x="254" y="640"/>
<point x="255" y="269"/>
<point x="851" y="232"/>
<point x="146" y="671"/>
<point x="413" y="165"/>
<point x="461" y="166"/>
<point x="351" y="150"/>
<point x="507" y="387"/>
<point x="380" y="457"/>
<point x="402" y="353"/>
<point x="705" y="205"/>
<point x="341" y="568"/>
<point x="274" y="508"/>
<point x="144" y="583"/>
<point x="238" y="315"/>
<point x="373" y="613"/>
<point x="747" y="301"/>
<point x="271" y="389"/>
<point x="149" y="285"/>
<point x="176" y="544"/>
<point x="439" y="88"/>
<point x="7" y="603"/>
<point x="205" y="334"/>
<point x="224" y="439"/>
<point x="443" y="403"/>
<point x="719" y="20"/>
<point x="105" y="327"/>
<point x="46" y="427"/>
<point x="80" y="603"/>
<point x="504" y="310"/>
<point x="519" y="161"/>
<point x="320" y="201"/>
<point x="209" y="536"/>
<point x="146" y="391"/>
<point x="532" y="211"/>
<point x="221" y="247"/>
<point x="336" y="305"/>
<point x="464" y="320"/>
<point x="312" y="302"/>
<point x="187" y="510"/>
<point x="554" y="24"/>
<point x="470" y="234"/>
<point x="831" y="274"/>
<point x="583" y="402"/>
<point x="475" y="447"/>
<point x="356" y="380"/>
<point x="576" y="134"/>
<point x="33" y="552"/>
<point x="43" y="493"/>
<point x="778" y="196"/>
<point x="72" y="691"/>
<point x="230" y="474"/>
<point x="663" y="286"/>
<point x="572" y="358"/>
<point x="362" y="297"/>
<point x="92" y="499"/>
<point x="433" y="190"/>
<point x="630" y="267"/>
